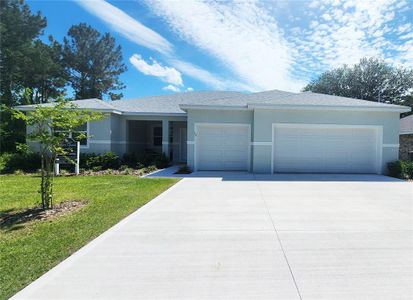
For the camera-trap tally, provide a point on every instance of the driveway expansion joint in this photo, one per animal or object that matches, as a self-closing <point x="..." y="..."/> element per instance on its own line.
<point x="279" y="240"/>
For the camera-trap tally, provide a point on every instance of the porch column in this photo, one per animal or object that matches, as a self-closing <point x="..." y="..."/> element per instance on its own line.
<point x="165" y="137"/>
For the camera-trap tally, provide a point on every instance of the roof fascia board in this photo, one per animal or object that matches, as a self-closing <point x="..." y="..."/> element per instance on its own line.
<point x="182" y="114"/>
<point x="113" y="111"/>
<point x="399" y="109"/>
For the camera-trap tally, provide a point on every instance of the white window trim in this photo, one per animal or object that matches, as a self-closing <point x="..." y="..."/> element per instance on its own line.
<point x="196" y="125"/>
<point x="379" y="140"/>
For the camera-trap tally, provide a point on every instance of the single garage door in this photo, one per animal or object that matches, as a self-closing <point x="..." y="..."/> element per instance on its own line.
<point x="325" y="149"/>
<point x="222" y="147"/>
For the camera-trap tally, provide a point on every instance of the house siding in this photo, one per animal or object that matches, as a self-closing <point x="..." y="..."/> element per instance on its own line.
<point x="112" y="133"/>
<point x="213" y="116"/>
<point x="100" y="136"/>
<point x="261" y="125"/>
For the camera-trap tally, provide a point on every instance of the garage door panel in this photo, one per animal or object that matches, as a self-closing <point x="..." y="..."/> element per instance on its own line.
<point x="222" y="147"/>
<point x="236" y="156"/>
<point x="325" y="150"/>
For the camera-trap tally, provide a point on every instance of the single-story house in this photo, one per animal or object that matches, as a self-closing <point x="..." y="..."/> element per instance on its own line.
<point x="406" y="138"/>
<point x="264" y="132"/>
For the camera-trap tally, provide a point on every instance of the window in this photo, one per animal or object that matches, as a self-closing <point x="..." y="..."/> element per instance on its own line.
<point x="157" y="136"/>
<point x="81" y="130"/>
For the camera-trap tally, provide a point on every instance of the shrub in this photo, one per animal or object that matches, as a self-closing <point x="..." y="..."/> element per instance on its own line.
<point x="26" y="162"/>
<point x="161" y="161"/>
<point x="108" y="160"/>
<point x="401" y="169"/>
<point x="130" y="160"/>
<point x="184" y="170"/>
<point x="134" y="160"/>
<point x="149" y="169"/>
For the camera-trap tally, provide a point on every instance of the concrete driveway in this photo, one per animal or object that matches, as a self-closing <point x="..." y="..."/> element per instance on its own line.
<point x="241" y="236"/>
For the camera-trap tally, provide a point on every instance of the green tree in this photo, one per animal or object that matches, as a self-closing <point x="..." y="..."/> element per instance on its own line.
<point x="371" y="79"/>
<point x="25" y="62"/>
<point x="18" y="28"/>
<point x="94" y="63"/>
<point x="50" y="126"/>
<point x="46" y="77"/>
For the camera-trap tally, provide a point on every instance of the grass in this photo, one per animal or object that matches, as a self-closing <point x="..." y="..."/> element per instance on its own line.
<point x="29" y="250"/>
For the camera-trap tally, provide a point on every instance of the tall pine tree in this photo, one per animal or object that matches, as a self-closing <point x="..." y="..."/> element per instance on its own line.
<point x="93" y="62"/>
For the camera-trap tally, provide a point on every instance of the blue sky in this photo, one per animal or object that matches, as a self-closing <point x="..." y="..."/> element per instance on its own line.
<point x="172" y="46"/>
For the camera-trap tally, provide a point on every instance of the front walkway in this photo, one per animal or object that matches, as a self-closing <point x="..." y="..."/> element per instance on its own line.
<point x="242" y="236"/>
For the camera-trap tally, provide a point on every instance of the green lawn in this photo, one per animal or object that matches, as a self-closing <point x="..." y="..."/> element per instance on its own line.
<point x="29" y="251"/>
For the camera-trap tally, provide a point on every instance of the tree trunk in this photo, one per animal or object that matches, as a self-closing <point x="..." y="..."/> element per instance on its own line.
<point x="46" y="187"/>
<point x="42" y="184"/>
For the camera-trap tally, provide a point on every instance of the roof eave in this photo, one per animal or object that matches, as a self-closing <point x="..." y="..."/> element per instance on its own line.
<point x="396" y="108"/>
<point x="103" y="110"/>
<point x="166" y="114"/>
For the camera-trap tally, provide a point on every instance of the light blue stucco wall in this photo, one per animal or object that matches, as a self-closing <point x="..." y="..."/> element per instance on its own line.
<point x="265" y="118"/>
<point x="111" y="134"/>
<point x="99" y="136"/>
<point x="214" y="116"/>
<point x="261" y="125"/>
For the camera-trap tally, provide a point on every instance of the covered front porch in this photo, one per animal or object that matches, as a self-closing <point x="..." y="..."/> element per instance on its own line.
<point x="158" y="136"/>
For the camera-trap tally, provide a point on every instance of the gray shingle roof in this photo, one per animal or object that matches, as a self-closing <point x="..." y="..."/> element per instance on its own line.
<point x="243" y="99"/>
<point x="175" y="103"/>
<point x="95" y="104"/>
<point x="406" y="125"/>
<point x="170" y="103"/>
<point x="281" y="98"/>
<point x="309" y="98"/>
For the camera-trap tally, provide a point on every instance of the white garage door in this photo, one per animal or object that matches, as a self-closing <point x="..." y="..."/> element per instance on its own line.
<point x="325" y="149"/>
<point x="222" y="147"/>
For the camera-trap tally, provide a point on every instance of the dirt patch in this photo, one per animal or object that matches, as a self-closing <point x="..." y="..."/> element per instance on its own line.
<point x="11" y="220"/>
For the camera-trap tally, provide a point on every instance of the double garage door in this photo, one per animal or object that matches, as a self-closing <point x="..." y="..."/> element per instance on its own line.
<point x="325" y="149"/>
<point x="296" y="148"/>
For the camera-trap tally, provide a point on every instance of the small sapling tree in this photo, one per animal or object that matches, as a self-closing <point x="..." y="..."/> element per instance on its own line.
<point x="50" y="125"/>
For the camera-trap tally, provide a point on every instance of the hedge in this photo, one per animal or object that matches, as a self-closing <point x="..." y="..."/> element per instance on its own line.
<point x="30" y="162"/>
<point x="401" y="169"/>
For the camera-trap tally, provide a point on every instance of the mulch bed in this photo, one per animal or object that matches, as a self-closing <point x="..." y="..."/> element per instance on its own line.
<point x="10" y="219"/>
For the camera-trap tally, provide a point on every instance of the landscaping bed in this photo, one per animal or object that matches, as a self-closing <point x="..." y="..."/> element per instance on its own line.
<point x="90" y="163"/>
<point x="32" y="242"/>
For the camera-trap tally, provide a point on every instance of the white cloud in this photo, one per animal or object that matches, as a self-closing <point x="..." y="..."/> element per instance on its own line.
<point x="207" y="77"/>
<point x="358" y="29"/>
<point x="144" y="36"/>
<point x="171" y="88"/>
<point x="260" y="52"/>
<point x="407" y="36"/>
<point x="189" y="89"/>
<point x="326" y="17"/>
<point x="153" y="68"/>
<point x="126" y="25"/>
<point x="243" y="36"/>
